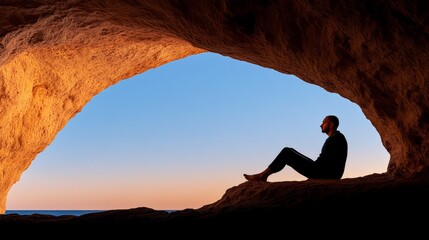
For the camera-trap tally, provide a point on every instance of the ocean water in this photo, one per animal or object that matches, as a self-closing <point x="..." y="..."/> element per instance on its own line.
<point x="59" y="212"/>
<point x="52" y="212"/>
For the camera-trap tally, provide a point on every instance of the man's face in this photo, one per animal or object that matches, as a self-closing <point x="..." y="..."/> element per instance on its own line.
<point x="326" y="125"/>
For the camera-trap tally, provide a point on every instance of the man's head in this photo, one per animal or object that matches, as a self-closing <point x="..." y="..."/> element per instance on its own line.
<point x="330" y="124"/>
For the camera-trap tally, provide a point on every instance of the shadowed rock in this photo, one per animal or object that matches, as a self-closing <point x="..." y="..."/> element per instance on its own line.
<point x="374" y="205"/>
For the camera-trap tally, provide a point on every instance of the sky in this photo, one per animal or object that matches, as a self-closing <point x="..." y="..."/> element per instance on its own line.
<point x="180" y="135"/>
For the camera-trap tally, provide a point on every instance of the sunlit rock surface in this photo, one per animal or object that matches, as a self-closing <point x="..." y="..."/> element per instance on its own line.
<point x="56" y="55"/>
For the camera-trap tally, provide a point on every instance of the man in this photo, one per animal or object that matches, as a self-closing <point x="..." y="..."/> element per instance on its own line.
<point x="329" y="165"/>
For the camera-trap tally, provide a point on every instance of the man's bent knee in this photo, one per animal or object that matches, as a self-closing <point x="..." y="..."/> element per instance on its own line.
<point x="287" y="150"/>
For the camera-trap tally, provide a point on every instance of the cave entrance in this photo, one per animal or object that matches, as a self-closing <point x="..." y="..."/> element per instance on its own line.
<point x="179" y="135"/>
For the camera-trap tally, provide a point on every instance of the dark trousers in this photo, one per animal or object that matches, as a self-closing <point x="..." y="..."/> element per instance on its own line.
<point x="302" y="164"/>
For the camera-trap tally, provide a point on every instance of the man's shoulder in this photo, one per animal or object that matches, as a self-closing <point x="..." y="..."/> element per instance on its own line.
<point x="338" y="134"/>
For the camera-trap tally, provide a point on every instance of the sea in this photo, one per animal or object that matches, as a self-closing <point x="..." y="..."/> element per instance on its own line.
<point x="59" y="212"/>
<point x="52" y="212"/>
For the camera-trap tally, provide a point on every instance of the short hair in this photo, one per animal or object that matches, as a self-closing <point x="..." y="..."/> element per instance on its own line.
<point x="334" y="120"/>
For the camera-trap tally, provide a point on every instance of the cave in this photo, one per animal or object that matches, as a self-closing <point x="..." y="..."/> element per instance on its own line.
<point x="55" y="56"/>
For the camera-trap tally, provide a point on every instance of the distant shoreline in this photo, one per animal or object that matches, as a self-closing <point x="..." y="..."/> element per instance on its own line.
<point x="60" y="212"/>
<point x="52" y="212"/>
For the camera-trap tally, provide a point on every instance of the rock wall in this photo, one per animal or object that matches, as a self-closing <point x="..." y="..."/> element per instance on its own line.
<point x="56" y="55"/>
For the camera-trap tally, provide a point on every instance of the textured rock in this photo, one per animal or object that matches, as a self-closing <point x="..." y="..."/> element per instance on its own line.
<point x="56" y="55"/>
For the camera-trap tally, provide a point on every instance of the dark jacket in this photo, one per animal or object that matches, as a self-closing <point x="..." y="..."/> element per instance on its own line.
<point x="332" y="159"/>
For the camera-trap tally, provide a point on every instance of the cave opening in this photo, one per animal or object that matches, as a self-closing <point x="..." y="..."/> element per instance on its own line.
<point x="180" y="135"/>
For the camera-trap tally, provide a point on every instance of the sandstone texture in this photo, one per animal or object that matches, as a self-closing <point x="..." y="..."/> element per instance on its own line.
<point x="56" y="55"/>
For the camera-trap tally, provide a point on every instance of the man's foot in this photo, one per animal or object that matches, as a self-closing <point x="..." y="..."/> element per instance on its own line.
<point x="255" y="177"/>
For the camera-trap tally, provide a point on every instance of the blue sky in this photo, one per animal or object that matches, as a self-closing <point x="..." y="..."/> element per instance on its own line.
<point x="180" y="135"/>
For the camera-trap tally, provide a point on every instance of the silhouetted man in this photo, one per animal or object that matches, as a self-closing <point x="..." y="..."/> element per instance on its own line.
<point x="329" y="165"/>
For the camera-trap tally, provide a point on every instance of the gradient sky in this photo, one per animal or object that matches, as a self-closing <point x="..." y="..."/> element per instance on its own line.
<point x="180" y="135"/>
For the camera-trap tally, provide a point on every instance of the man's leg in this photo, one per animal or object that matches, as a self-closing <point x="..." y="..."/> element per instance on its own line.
<point x="288" y="156"/>
<point x="300" y="163"/>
